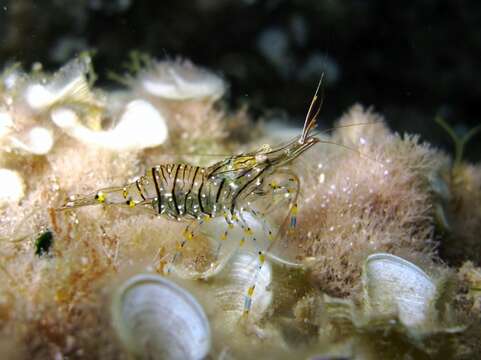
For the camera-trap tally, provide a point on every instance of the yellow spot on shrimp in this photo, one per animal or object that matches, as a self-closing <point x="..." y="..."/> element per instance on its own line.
<point x="224" y="236"/>
<point x="294" y="209"/>
<point x="248" y="231"/>
<point x="100" y="197"/>
<point x="244" y="162"/>
<point x="189" y="235"/>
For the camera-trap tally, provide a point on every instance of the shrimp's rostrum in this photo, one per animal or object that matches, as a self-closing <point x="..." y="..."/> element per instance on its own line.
<point x="227" y="189"/>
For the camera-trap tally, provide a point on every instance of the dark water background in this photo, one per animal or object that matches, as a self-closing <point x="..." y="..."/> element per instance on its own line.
<point x="410" y="60"/>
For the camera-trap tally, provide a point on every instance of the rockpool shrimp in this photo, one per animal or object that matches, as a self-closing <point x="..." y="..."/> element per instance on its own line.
<point x="228" y="189"/>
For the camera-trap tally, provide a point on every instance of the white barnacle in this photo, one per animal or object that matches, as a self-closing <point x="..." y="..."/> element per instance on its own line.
<point x="179" y="80"/>
<point x="140" y="126"/>
<point x="69" y="84"/>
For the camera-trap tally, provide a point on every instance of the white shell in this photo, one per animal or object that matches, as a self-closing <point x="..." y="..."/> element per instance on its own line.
<point x="180" y="80"/>
<point x="38" y="140"/>
<point x="13" y="186"/>
<point x="140" y="126"/>
<point x="234" y="281"/>
<point x="69" y="83"/>
<point x="157" y="319"/>
<point x="393" y="285"/>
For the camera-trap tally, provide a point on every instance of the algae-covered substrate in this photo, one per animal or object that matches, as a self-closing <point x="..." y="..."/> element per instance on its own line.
<point x="383" y="261"/>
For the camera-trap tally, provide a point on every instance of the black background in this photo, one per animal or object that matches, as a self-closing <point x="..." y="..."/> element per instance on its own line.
<point x="410" y="60"/>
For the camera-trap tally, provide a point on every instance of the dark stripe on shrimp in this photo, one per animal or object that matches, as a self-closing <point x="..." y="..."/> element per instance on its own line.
<point x="173" y="190"/>
<point x="183" y="175"/>
<point x="190" y="189"/>
<point x="199" y="196"/>
<point x="137" y="183"/>
<point x="162" y="172"/>
<point x="243" y="187"/>
<point x="157" y="190"/>
<point x="219" y="190"/>
<point x="216" y="168"/>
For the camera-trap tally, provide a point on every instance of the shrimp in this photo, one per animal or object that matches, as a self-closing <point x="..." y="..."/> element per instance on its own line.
<point x="226" y="189"/>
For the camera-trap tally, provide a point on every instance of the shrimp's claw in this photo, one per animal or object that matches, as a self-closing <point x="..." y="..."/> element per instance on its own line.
<point x="76" y="201"/>
<point x="131" y="195"/>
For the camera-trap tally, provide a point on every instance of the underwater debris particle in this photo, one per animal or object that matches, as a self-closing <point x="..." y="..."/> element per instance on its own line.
<point x="43" y="243"/>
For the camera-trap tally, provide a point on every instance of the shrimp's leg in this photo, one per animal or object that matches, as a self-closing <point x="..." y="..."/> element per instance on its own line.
<point x="278" y="193"/>
<point x="292" y="191"/>
<point x="249" y="234"/>
<point x="224" y="236"/>
<point x="187" y="236"/>
<point x="223" y="249"/>
<point x="287" y="190"/>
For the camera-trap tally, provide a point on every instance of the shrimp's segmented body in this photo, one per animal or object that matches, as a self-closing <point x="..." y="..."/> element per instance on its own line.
<point x="226" y="189"/>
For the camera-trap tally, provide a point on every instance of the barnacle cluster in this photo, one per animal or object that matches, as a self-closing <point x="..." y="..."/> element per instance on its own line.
<point x="384" y="261"/>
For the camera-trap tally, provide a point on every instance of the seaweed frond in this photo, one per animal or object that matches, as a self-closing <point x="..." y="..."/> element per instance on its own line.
<point x="459" y="141"/>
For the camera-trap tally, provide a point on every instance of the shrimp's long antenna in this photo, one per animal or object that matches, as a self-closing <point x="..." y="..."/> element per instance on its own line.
<point x="330" y="130"/>
<point x="311" y="118"/>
